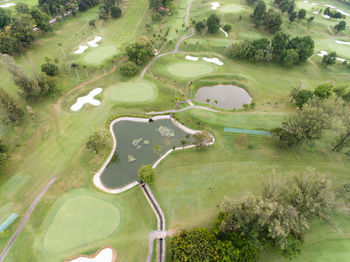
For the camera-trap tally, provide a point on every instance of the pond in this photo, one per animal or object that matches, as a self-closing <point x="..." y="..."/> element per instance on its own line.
<point x="140" y="143"/>
<point x="223" y="96"/>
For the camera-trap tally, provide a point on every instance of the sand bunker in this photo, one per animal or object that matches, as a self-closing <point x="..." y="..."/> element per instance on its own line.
<point x="7" y="5"/>
<point x="213" y="60"/>
<point x="326" y="16"/>
<point x="81" y="49"/>
<point x="323" y="53"/>
<point x="103" y="255"/>
<point x="342" y="42"/>
<point x="315" y="12"/>
<point x="222" y="30"/>
<point x="215" y="5"/>
<point x="93" y="43"/>
<point x="191" y="58"/>
<point x="89" y="99"/>
<point x="330" y="6"/>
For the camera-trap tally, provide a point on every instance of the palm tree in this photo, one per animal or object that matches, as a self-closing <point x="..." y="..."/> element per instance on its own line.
<point x="86" y="72"/>
<point x="75" y="67"/>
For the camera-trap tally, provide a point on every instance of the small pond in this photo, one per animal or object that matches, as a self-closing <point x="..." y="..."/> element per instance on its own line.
<point x="138" y="144"/>
<point x="223" y="96"/>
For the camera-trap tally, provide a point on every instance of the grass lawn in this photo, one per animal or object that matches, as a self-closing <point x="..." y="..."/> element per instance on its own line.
<point x="188" y="70"/>
<point x="97" y="55"/>
<point x="133" y="91"/>
<point x="77" y="219"/>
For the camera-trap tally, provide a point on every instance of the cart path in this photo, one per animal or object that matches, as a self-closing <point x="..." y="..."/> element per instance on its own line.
<point x="25" y="218"/>
<point x="176" y="50"/>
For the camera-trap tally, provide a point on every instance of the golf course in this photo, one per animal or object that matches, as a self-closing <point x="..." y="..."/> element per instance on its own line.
<point x="178" y="90"/>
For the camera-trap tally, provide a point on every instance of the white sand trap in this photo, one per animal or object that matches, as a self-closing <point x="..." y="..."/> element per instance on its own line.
<point x="192" y="58"/>
<point x="306" y="1"/>
<point x="81" y="49"/>
<point x="342" y="12"/>
<point x="213" y="60"/>
<point x="93" y="43"/>
<point x="315" y="12"/>
<point x="342" y="42"/>
<point x="7" y="5"/>
<point x="89" y="99"/>
<point x="215" y="5"/>
<point x="222" y="30"/>
<point x="330" y="6"/>
<point x="326" y="16"/>
<point x="323" y="53"/>
<point x="105" y="255"/>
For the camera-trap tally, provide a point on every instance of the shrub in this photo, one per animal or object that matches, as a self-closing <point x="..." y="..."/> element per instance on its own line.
<point x="50" y="69"/>
<point x="129" y="68"/>
<point x="146" y="173"/>
<point x="227" y="28"/>
<point x="200" y="26"/>
<point x="97" y="142"/>
<point x="116" y="12"/>
<point x="92" y="22"/>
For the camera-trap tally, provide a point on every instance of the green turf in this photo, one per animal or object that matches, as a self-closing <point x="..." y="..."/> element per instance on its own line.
<point x="79" y="219"/>
<point x="187" y="70"/>
<point x="231" y="8"/>
<point x="135" y="91"/>
<point x="97" y="55"/>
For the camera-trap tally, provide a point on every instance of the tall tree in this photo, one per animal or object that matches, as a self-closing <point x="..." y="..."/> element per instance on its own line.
<point x="10" y="107"/>
<point x="272" y="20"/>
<point x="340" y="27"/>
<point x="259" y="13"/>
<point x="301" y="14"/>
<point x="213" y="23"/>
<point x="5" y="17"/>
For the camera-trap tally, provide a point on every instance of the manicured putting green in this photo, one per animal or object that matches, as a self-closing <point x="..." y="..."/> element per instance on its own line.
<point x="136" y="91"/>
<point x="231" y="8"/>
<point x="79" y="219"/>
<point x="189" y="69"/>
<point x="97" y="55"/>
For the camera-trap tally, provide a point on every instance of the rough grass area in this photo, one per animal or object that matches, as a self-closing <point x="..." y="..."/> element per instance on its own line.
<point x="78" y="219"/>
<point x="97" y="55"/>
<point x="134" y="91"/>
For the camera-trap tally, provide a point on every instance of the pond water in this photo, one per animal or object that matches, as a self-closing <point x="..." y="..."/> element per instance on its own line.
<point x="223" y="96"/>
<point x="138" y="144"/>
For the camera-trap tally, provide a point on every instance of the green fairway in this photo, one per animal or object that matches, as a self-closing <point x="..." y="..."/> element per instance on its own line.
<point x="185" y="70"/>
<point x="79" y="219"/>
<point x="135" y="91"/>
<point x="97" y="55"/>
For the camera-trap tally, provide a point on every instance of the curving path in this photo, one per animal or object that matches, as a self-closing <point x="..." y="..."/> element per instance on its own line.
<point x="26" y="217"/>
<point x="176" y="50"/>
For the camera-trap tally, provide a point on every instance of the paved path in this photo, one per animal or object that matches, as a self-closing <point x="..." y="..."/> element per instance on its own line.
<point x="26" y="216"/>
<point x="176" y="50"/>
<point x="160" y="233"/>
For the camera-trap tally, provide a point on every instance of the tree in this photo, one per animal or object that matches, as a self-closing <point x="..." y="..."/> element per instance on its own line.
<point x="75" y="67"/>
<point x="279" y="43"/>
<point x="227" y="28"/>
<point x="213" y="23"/>
<point x="290" y="57"/>
<point x="339" y="91"/>
<point x="303" y="97"/>
<point x="323" y="91"/>
<point x="22" y="29"/>
<point x="129" y="68"/>
<point x="97" y="142"/>
<point x="41" y="19"/>
<point x="116" y="12"/>
<point x="5" y="17"/>
<point x="301" y="14"/>
<point x="104" y="12"/>
<point x="304" y="45"/>
<point x="140" y="52"/>
<point x="8" y="44"/>
<point x="4" y="156"/>
<point x="10" y="107"/>
<point x="259" y="13"/>
<point x="293" y="92"/>
<point x="200" y="26"/>
<point x="272" y="20"/>
<point x="155" y="4"/>
<point x="329" y="59"/>
<point x="292" y="16"/>
<point x="343" y="138"/>
<point x="22" y="8"/>
<point x="192" y="246"/>
<point x="202" y="139"/>
<point x="50" y="69"/>
<point x="340" y="27"/>
<point x="146" y="173"/>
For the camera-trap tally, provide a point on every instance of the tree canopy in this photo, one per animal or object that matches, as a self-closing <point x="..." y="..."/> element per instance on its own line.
<point x="146" y="173"/>
<point x="213" y="23"/>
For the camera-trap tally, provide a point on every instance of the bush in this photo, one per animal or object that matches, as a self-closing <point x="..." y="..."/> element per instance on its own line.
<point x="92" y="22"/>
<point x="227" y="28"/>
<point x="116" y="12"/>
<point x="146" y="174"/>
<point x="97" y="142"/>
<point x="50" y="69"/>
<point x="200" y="26"/>
<point x="129" y="68"/>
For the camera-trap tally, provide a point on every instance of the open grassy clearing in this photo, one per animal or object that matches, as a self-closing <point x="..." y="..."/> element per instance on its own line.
<point x="99" y="54"/>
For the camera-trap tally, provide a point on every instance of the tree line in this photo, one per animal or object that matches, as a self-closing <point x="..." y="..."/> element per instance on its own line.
<point x="323" y="109"/>
<point x="282" y="49"/>
<point x="276" y="220"/>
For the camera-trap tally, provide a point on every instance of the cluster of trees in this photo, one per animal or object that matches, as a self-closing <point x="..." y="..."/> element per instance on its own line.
<point x="32" y="88"/>
<point x="138" y="54"/>
<point x="109" y="9"/>
<point x="58" y="7"/>
<point x="276" y="220"/>
<point x="16" y="30"/>
<point x="86" y="4"/>
<point x="157" y="4"/>
<point x="288" y="6"/>
<point x="333" y="14"/>
<point x="282" y="49"/>
<point x="271" y="19"/>
<point x="318" y="112"/>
